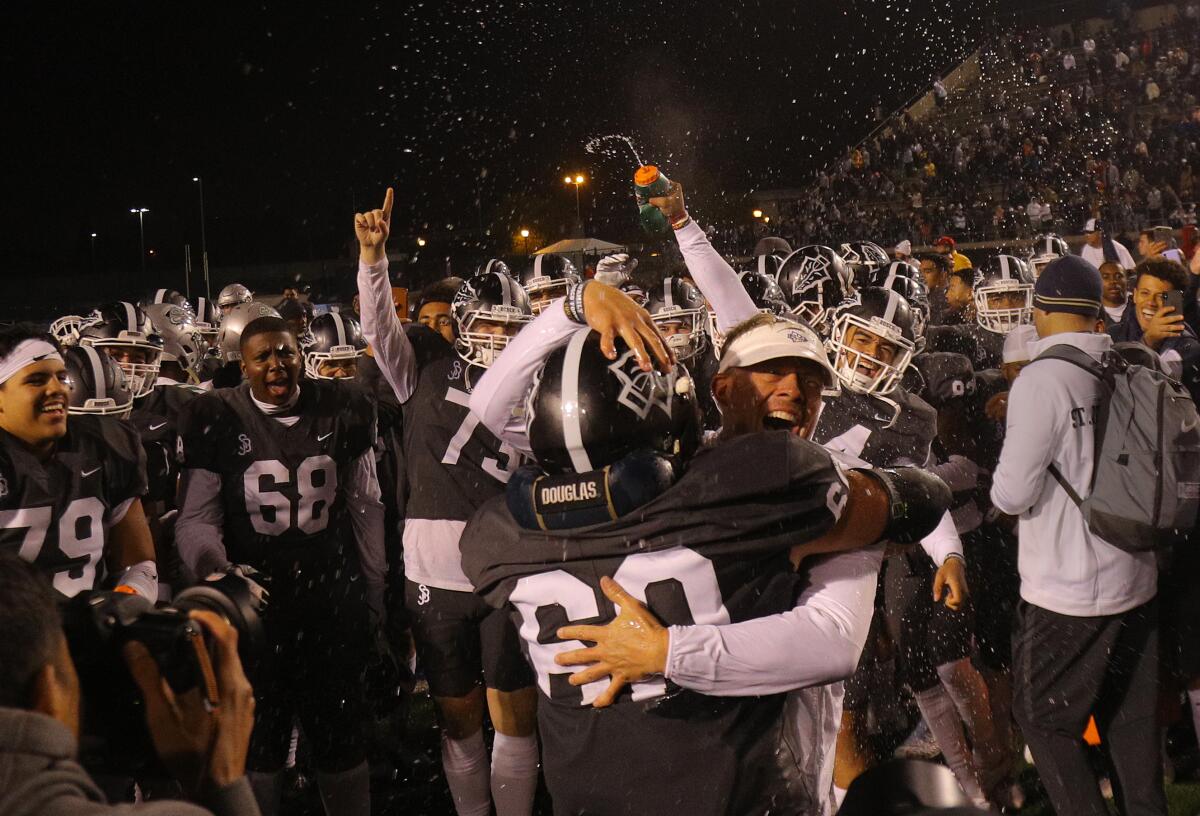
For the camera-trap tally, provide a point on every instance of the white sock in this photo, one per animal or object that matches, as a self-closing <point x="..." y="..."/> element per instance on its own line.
<point x="938" y="710"/>
<point x="346" y="793"/>
<point x="1194" y="704"/>
<point x="514" y="774"/>
<point x="465" y="763"/>
<point x="293" y="747"/>
<point x="268" y="790"/>
<point x="966" y="688"/>
<point x="839" y="796"/>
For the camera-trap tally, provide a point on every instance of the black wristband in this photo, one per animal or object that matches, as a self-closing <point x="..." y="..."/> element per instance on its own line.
<point x="573" y="304"/>
<point x="917" y="500"/>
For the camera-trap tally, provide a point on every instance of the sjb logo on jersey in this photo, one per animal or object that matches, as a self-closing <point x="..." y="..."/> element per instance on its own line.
<point x="3" y="487"/>
<point x="422" y="595"/>
<point x="244" y="446"/>
<point x="642" y="390"/>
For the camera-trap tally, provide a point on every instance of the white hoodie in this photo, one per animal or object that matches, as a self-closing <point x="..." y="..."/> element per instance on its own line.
<point x="1064" y="567"/>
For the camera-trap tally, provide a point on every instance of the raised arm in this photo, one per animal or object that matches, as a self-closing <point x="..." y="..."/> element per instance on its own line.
<point x="380" y="325"/>
<point x="717" y="281"/>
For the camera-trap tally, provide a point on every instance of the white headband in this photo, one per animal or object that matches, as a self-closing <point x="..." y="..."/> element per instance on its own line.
<point x="27" y="352"/>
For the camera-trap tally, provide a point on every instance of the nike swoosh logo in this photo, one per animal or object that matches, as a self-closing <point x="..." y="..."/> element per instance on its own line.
<point x="159" y="425"/>
<point x="326" y="436"/>
<point x="87" y="473"/>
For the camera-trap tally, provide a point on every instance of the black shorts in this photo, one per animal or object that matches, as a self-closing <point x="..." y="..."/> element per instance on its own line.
<point x="462" y="642"/>
<point x="926" y="634"/>
<point x="1179" y="612"/>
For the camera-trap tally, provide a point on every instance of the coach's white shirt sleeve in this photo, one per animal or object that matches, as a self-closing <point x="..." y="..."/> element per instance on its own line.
<point x="715" y="278"/>
<point x="498" y="399"/>
<point x="817" y="642"/>
<point x="1064" y="567"/>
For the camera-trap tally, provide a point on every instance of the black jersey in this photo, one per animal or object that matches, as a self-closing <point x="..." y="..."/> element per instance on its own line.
<point x="985" y="349"/>
<point x="712" y="549"/>
<point x="702" y="369"/>
<point x="896" y="430"/>
<point x="453" y="463"/>
<point x="156" y="417"/>
<point x="56" y="513"/>
<point x="279" y="484"/>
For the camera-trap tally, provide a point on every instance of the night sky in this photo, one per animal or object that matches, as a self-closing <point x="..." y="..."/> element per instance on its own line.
<point x="295" y="115"/>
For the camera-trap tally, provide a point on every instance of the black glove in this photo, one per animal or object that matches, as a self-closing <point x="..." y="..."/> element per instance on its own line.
<point x="917" y="500"/>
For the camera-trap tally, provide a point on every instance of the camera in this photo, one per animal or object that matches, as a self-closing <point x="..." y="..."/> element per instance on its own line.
<point x="113" y="735"/>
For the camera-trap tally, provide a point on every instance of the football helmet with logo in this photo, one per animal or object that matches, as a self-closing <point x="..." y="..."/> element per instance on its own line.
<point x="168" y="296"/>
<point x="586" y="411"/>
<point x="232" y="295"/>
<point x="489" y="309"/>
<point x="547" y="279"/>
<point x="681" y="315"/>
<point x="906" y="279"/>
<point x="815" y="280"/>
<point x="96" y="383"/>
<point x="872" y="341"/>
<point x="123" y="331"/>
<point x="337" y="343"/>
<point x="764" y="291"/>
<point x="182" y="342"/>
<point x="863" y="258"/>
<point x="229" y="337"/>
<point x="1003" y="294"/>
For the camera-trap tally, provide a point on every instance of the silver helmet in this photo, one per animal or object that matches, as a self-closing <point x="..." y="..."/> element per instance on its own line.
<point x="182" y="341"/>
<point x="229" y="338"/>
<point x="232" y="295"/>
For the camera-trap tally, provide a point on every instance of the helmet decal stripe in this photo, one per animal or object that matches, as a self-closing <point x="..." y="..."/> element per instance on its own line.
<point x="572" y="433"/>
<point x="97" y="372"/>
<point x="131" y="317"/>
<point x="537" y="265"/>
<point x="341" y="328"/>
<point x="889" y="313"/>
<point x="668" y="299"/>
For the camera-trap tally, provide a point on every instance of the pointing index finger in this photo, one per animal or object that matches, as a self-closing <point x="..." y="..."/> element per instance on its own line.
<point x="387" y="204"/>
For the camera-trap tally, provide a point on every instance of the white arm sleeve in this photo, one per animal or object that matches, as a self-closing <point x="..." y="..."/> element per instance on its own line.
<point x="943" y="541"/>
<point x="717" y="281"/>
<point x="499" y="396"/>
<point x="366" y="516"/>
<point x="201" y="518"/>
<point x="817" y="642"/>
<point x="383" y="329"/>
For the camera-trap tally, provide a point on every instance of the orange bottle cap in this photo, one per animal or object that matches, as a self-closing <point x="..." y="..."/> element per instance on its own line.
<point x="645" y="175"/>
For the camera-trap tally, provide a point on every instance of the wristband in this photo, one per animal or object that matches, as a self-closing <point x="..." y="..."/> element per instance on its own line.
<point x="681" y="222"/>
<point x="959" y="556"/>
<point x="140" y="579"/>
<point x="573" y="303"/>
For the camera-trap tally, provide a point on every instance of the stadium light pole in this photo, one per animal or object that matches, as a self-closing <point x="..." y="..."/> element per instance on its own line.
<point x="525" y="241"/>
<point x="578" y="182"/>
<point x="140" y="212"/>
<point x="93" y="252"/>
<point x="203" y="240"/>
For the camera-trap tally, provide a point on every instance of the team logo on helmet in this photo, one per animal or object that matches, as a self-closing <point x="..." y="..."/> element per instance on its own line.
<point x="638" y="393"/>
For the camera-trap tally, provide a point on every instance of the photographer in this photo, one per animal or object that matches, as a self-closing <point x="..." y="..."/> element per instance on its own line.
<point x="203" y="746"/>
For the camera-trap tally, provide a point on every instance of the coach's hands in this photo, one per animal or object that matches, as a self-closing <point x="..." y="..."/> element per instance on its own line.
<point x="371" y="228"/>
<point x="612" y="312"/>
<point x="671" y="204"/>
<point x="951" y="581"/>
<point x="630" y="648"/>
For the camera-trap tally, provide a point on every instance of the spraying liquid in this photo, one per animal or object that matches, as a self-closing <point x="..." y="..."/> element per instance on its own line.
<point x="597" y="145"/>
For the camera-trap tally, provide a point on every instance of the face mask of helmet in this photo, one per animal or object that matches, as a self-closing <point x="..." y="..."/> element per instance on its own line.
<point x="683" y="330"/>
<point x="1003" y="305"/>
<point x="859" y="371"/>
<point x="67" y="328"/>
<point x="480" y="347"/>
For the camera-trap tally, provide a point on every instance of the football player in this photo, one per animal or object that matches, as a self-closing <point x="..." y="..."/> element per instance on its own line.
<point x="70" y="491"/>
<point x="611" y="437"/>
<point x="1046" y="248"/>
<point x="334" y="349"/>
<point x="279" y="485"/>
<point x="233" y="295"/>
<point x="680" y="314"/>
<point x="815" y="280"/>
<point x="469" y="651"/>
<point x="548" y="280"/>
<point x="431" y="309"/>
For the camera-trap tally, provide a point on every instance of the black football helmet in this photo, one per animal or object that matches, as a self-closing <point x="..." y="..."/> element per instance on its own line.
<point x="336" y="342"/>
<point x="548" y="279"/>
<point x="768" y="265"/>
<point x="863" y="258"/>
<point x="814" y="280"/>
<point x="586" y="411"/>
<point x="873" y="320"/>
<point x="764" y="291"/>
<point x="1045" y="249"/>
<point x="916" y="294"/>
<point x="208" y="319"/>
<point x="681" y="315"/>
<point x="96" y="383"/>
<point x="882" y="274"/>
<point x="1003" y="293"/>
<point x="123" y="331"/>
<point x="495" y="298"/>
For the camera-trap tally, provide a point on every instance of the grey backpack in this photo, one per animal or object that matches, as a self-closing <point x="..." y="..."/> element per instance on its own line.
<point x="1145" y="489"/>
